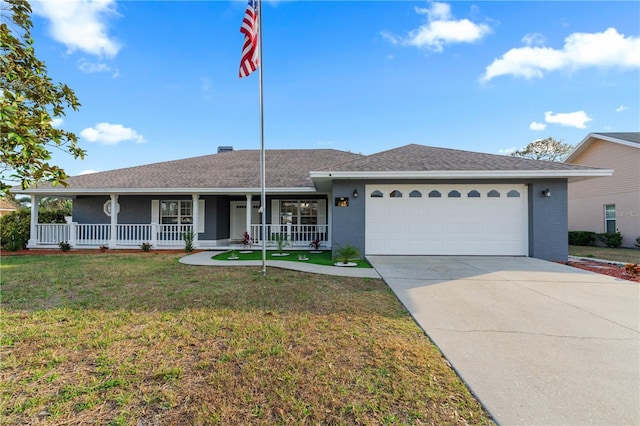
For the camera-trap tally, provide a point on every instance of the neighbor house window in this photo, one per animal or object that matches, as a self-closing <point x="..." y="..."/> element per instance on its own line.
<point x="174" y="212"/>
<point x="299" y="212"/>
<point x="610" y="218"/>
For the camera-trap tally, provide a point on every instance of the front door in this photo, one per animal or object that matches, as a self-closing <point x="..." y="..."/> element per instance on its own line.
<point x="238" y="218"/>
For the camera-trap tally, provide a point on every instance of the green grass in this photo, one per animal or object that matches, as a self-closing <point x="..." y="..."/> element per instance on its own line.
<point x="128" y="339"/>
<point x="323" y="258"/>
<point x="626" y="255"/>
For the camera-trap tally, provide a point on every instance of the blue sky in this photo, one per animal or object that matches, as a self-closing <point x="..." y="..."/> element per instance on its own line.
<point x="159" y="80"/>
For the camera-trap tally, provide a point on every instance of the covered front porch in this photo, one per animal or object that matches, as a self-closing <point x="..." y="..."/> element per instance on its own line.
<point x="227" y="214"/>
<point x="126" y="236"/>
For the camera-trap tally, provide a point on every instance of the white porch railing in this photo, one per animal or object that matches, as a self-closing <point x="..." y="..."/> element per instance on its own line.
<point x="90" y="234"/>
<point x="296" y="235"/>
<point x="172" y="235"/>
<point x="52" y="233"/>
<point x="100" y="234"/>
<point x="159" y="235"/>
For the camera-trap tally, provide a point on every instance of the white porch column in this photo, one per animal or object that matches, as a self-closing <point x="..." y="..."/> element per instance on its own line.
<point x="196" y="218"/>
<point x="113" y="241"/>
<point x="248" y="212"/>
<point x="33" y="226"/>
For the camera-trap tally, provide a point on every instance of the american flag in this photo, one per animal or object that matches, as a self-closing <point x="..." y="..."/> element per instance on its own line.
<point x="249" y="61"/>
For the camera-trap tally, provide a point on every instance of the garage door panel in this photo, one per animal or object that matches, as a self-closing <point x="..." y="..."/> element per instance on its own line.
<point x="447" y="226"/>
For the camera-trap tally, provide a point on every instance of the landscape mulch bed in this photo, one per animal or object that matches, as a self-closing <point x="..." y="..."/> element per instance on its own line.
<point x="27" y="252"/>
<point x="611" y="269"/>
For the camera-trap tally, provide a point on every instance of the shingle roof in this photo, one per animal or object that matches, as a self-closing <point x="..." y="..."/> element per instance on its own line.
<point x="625" y="136"/>
<point x="291" y="169"/>
<point x="235" y="169"/>
<point x="427" y="158"/>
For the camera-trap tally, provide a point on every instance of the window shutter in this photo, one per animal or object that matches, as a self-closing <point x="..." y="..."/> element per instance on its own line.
<point x="200" y="215"/>
<point x="322" y="212"/>
<point x="155" y="211"/>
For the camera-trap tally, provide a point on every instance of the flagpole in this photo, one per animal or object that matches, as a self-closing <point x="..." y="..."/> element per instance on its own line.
<point x="263" y="198"/>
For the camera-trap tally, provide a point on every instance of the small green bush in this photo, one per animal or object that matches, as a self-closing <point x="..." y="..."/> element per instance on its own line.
<point x="146" y="246"/>
<point x="581" y="238"/>
<point x="188" y="238"/>
<point x="638" y="242"/>
<point x="611" y="239"/>
<point x="15" y="230"/>
<point x="64" y="246"/>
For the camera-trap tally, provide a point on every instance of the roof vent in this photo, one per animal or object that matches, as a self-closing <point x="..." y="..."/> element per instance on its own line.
<point x="225" y="149"/>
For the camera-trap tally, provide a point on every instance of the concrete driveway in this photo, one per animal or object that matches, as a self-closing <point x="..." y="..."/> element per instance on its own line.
<point x="537" y="342"/>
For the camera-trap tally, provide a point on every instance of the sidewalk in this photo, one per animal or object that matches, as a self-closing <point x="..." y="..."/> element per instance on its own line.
<point x="205" y="259"/>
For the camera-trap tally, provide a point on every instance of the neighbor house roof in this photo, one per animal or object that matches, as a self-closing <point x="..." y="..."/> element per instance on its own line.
<point x="426" y="162"/>
<point x="222" y="172"/>
<point x="631" y="139"/>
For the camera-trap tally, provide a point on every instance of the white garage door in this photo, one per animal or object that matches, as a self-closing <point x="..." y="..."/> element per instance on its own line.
<point x="447" y="219"/>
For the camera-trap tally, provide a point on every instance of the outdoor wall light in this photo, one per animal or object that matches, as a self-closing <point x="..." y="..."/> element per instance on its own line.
<point x="546" y="193"/>
<point x="355" y="193"/>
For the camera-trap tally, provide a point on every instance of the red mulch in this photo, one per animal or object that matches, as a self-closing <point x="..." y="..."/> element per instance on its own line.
<point x="27" y="252"/>
<point x="610" y="269"/>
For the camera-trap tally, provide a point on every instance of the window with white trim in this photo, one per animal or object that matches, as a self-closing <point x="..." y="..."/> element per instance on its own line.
<point x="175" y="212"/>
<point x="610" y="218"/>
<point x="299" y="212"/>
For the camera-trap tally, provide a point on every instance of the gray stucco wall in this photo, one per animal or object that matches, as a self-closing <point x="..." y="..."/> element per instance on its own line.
<point x="136" y="209"/>
<point x="548" y="225"/>
<point x="548" y="220"/>
<point x="348" y="223"/>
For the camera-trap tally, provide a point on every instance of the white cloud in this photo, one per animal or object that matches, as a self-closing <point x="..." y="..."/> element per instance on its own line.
<point x="577" y="119"/>
<point x="621" y="108"/>
<point x="92" y="67"/>
<point x="537" y="126"/>
<point x="87" y="172"/>
<point x="56" y="122"/>
<point x="441" y="29"/>
<point x="111" y="134"/>
<point x="81" y="24"/>
<point x="507" y="151"/>
<point x="580" y="50"/>
<point x="533" y="39"/>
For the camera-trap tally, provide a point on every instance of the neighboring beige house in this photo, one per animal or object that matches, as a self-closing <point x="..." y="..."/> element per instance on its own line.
<point x="607" y="204"/>
<point x="6" y="207"/>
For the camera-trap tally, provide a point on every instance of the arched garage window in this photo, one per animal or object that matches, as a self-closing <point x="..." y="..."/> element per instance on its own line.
<point x="513" y="194"/>
<point x="473" y="194"/>
<point x="395" y="194"/>
<point x="376" y="194"/>
<point x="415" y="194"/>
<point x="453" y="194"/>
<point x="493" y="194"/>
<point x="435" y="194"/>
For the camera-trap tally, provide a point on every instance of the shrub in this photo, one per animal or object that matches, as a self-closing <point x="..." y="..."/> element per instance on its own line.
<point x="146" y="246"/>
<point x="188" y="237"/>
<point x="638" y="242"/>
<point x="15" y="230"/>
<point x="347" y="253"/>
<point x="611" y="239"/>
<point x="64" y="246"/>
<point x="581" y="238"/>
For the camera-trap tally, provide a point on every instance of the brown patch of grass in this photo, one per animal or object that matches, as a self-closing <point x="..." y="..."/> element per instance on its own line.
<point x="145" y="340"/>
<point x="627" y="255"/>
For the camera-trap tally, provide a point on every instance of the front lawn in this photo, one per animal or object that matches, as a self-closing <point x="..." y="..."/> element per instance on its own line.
<point x="323" y="258"/>
<point x="626" y="255"/>
<point x="140" y="339"/>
